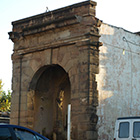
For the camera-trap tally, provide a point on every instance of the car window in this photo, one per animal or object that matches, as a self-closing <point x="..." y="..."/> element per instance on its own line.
<point x="5" y="134"/>
<point x="24" y="135"/>
<point x="39" y="138"/>
<point x="136" y="129"/>
<point x="124" y="130"/>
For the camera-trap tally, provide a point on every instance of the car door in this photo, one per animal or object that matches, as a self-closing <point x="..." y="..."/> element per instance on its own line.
<point x="123" y="130"/>
<point x="136" y="130"/>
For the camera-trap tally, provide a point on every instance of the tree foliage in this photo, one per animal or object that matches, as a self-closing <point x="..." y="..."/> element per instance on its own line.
<point x="5" y="99"/>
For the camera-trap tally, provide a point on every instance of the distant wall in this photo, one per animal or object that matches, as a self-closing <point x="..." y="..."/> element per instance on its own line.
<point x="4" y="117"/>
<point x="118" y="79"/>
<point x="4" y="120"/>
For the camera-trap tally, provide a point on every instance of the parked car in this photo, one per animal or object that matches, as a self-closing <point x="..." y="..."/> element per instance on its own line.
<point x="127" y="128"/>
<point x="14" y="132"/>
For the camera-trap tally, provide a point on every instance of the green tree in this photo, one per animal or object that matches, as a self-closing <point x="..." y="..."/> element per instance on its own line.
<point x="5" y="99"/>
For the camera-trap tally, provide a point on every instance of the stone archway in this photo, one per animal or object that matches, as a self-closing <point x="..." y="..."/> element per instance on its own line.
<point x="48" y="99"/>
<point x="66" y="37"/>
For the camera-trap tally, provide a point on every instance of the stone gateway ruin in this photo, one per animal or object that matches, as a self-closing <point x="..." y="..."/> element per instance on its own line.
<point x="68" y="57"/>
<point x="55" y="60"/>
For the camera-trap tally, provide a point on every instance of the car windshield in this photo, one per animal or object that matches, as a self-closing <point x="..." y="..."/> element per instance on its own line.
<point x="24" y="135"/>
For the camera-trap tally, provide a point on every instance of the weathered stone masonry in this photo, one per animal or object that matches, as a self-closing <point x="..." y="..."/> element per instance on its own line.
<point x="55" y="61"/>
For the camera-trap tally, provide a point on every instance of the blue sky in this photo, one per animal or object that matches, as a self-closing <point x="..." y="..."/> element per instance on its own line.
<point x="120" y="13"/>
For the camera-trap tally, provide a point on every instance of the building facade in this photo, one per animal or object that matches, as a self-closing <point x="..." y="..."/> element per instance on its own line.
<point x="118" y="79"/>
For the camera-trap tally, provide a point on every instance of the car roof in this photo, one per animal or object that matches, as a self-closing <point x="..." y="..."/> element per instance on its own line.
<point x="126" y="118"/>
<point x="16" y="126"/>
<point x="21" y="127"/>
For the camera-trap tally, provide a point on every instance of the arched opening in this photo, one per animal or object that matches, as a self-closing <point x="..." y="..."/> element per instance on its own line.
<point x="51" y="88"/>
